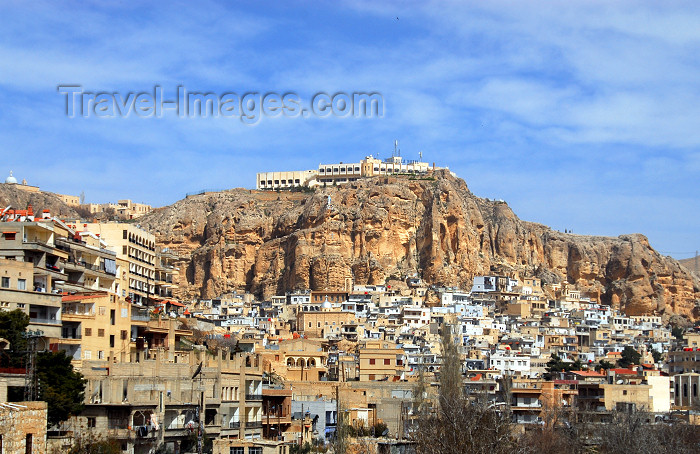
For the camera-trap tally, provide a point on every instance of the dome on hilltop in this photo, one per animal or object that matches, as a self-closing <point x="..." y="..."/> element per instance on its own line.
<point x="11" y="179"/>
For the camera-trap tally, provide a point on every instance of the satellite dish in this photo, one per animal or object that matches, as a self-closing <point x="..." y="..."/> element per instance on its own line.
<point x="198" y="371"/>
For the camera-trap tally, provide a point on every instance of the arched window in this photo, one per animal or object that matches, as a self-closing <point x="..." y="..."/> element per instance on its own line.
<point x="290" y="362"/>
<point x="312" y="362"/>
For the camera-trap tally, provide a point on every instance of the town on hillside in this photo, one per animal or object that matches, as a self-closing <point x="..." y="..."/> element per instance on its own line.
<point x="308" y="368"/>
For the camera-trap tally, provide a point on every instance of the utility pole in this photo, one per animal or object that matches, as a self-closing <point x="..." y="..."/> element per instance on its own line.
<point x="30" y="379"/>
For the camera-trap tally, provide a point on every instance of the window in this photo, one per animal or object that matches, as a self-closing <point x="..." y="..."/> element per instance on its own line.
<point x="21" y="284"/>
<point x="100" y="354"/>
<point x="10" y="236"/>
<point x="237" y="451"/>
<point x="112" y="316"/>
<point x="387" y="362"/>
<point x="124" y="334"/>
<point x="124" y="234"/>
<point x="111" y="340"/>
<point x="28" y="448"/>
<point x="100" y="332"/>
<point x="371" y="376"/>
<point x="87" y="354"/>
<point x="255" y="450"/>
<point x="124" y="250"/>
<point x="5" y="282"/>
<point x="103" y="310"/>
<point x="88" y="331"/>
<point x="91" y="422"/>
<point x="371" y="361"/>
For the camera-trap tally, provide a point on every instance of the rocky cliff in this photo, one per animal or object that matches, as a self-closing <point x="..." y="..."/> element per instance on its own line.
<point x="19" y="199"/>
<point x="269" y="243"/>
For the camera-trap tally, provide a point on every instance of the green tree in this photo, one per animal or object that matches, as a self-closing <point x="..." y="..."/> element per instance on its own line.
<point x="60" y="386"/>
<point x="658" y="356"/>
<point x="556" y="365"/>
<point x="677" y="332"/>
<point x="605" y="365"/>
<point x="13" y="325"/>
<point x="629" y="356"/>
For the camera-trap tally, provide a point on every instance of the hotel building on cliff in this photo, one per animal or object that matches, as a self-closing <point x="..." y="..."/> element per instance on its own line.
<point x="341" y="173"/>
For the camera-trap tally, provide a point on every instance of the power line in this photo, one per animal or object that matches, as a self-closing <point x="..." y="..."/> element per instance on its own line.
<point x="30" y="379"/>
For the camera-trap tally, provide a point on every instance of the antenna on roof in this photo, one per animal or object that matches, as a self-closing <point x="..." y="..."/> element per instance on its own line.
<point x="420" y="156"/>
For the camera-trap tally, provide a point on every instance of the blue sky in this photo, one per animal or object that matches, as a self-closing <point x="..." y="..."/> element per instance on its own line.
<point x="582" y="115"/>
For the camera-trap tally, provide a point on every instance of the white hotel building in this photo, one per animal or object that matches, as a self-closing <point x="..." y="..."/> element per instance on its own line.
<point x="328" y="174"/>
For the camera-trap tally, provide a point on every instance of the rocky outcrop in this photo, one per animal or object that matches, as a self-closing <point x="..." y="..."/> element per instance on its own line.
<point x="19" y="199"/>
<point x="269" y="243"/>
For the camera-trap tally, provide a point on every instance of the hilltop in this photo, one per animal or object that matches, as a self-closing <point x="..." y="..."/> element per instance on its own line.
<point x="383" y="227"/>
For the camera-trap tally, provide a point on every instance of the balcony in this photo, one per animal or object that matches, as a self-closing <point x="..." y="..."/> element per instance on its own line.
<point x="253" y="397"/>
<point x="234" y="425"/>
<point x="44" y="321"/>
<point x="253" y="425"/>
<point x="276" y="419"/>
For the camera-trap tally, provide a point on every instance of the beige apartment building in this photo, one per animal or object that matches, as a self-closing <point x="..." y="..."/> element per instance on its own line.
<point x="96" y="327"/>
<point x="125" y="209"/>
<point x="70" y="200"/>
<point x="380" y="360"/>
<point x="323" y="322"/>
<point x="137" y="248"/>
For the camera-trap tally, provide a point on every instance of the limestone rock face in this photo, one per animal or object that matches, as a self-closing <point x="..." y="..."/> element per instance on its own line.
<point x="19" y="199"/>
<point x="268" y="243"/>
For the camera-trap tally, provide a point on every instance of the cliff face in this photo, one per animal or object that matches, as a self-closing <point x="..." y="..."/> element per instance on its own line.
<point x="268" y="243"/>
<point x="19" y="199"/>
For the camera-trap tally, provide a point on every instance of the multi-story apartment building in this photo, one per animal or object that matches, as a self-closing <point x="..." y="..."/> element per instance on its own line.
<point x="684" y="360"/>
<point x="156" y="401"/>
<point x="30" y="283"/>
<point x="17" y="292"/>
<point x="380" y="360"/>
<point x="167" y="272"/>
<point x="138" y="249"/>
<point x="96" y="327"/>
<point x="90" y="266"/>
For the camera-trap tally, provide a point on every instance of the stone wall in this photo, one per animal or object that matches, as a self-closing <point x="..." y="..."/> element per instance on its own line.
<point x="23" y="422"/>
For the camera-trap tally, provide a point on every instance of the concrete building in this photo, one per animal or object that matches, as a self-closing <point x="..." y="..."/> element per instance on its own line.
<point x="340" y="173"/>
<point x="32" y="269"/>
<point x="380" y="360"/>
<point x="96" y="327"/>
<point x="684" y="360"/>
<point x="167" y="272"/>
<point x="138" y="248"/>
<point x="154" y="401"/>
<point x="684" y="390"/>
